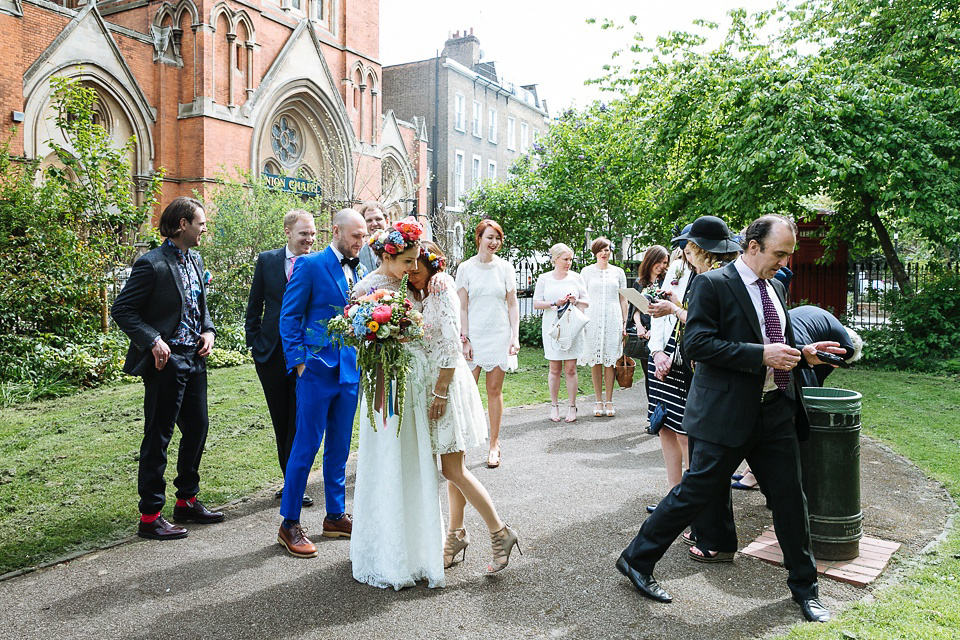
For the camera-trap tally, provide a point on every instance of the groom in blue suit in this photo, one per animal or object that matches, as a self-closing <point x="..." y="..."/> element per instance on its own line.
<point x="327" y="380"/>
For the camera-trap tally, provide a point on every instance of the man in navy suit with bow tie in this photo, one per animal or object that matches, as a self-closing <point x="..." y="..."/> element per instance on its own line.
<point x="327" y="380"/>
<point x="262" y="329"/>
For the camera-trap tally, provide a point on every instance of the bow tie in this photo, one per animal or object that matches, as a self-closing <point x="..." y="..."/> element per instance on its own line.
<point x="353" y="262"/>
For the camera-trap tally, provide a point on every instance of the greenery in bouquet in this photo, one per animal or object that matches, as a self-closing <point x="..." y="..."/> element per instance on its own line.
<point x="378" y="324"/>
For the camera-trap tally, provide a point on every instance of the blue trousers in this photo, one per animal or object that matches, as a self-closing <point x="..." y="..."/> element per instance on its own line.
<point x="325" y="411"/>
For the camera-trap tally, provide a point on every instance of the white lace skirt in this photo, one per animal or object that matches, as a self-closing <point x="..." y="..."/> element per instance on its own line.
<point x="397" y="523"/>
<point x="464" y="423"/>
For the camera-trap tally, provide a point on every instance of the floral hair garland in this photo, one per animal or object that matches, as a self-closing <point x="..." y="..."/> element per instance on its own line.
<point x="396" y="239"/>
<point x="433" y="260"/>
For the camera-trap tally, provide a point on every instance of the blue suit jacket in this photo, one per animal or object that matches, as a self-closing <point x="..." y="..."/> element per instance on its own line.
<point x="317" y="291"/>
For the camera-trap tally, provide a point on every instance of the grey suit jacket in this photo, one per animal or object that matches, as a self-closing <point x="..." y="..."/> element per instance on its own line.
<point x="724" y="339"/>
<point x="151" y="305"/>
<point x="368" y="258"/>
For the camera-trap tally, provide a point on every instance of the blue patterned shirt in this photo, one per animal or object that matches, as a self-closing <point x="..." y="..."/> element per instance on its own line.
<point x="191" y="323"/>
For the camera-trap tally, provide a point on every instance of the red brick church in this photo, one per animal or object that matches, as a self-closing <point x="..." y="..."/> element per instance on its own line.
<point x="286" y="88"/>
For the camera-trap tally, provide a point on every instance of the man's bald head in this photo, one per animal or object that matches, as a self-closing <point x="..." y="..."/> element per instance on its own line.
<point x="349" y="232"/>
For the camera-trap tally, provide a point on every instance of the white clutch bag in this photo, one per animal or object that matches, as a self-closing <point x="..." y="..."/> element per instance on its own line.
<point x="570" y="322"/>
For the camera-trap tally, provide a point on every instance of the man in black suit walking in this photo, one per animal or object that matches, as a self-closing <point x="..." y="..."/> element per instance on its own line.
<point x="262" y="324"/>
<point x="741" y="404"/>
<point x="163" y="310"/>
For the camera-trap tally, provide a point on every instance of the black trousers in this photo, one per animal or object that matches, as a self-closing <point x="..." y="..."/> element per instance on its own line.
<point x="176" y="395"/>
<point x="703" y="498"/>
<point x="280" y="391"/>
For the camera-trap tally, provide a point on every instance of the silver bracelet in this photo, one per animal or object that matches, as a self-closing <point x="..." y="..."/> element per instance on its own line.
<point x="437" y="395"/>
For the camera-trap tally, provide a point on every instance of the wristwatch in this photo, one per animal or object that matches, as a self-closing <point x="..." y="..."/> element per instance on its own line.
<point x="464" y="339"/>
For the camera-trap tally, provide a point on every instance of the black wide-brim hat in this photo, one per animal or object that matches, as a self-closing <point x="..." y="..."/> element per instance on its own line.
<point x="710" y="233"/>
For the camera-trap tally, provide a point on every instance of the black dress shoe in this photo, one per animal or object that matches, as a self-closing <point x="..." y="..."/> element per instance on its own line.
<point x="160" y="529"/>
<point x="813" y="610"/>
<point x="196" y="512"/>
<point x="651" y="508"/>
<point x="307" y="500"/>
<point x="644" y="582"/>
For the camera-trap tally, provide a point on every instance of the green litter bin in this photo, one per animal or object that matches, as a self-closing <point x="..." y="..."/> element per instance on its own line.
<point x="830" y="464"/>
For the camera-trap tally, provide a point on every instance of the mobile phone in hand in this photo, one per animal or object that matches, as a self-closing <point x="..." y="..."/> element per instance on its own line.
<point x="832" y="358"/>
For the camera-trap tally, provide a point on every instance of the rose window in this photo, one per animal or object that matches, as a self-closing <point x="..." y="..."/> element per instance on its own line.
<point x="285" y="140"/>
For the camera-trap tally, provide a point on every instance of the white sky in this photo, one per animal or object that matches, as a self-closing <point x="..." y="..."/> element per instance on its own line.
<point x="543" y="42"/>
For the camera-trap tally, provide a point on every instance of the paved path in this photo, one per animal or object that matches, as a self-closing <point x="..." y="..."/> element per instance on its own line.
<point x="576" y="493"/>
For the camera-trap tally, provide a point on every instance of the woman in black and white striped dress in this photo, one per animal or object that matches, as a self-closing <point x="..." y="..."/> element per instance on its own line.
<point x="669" y="374"/>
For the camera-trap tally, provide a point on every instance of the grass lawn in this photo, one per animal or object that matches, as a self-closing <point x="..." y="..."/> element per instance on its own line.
<point x="919" y="417"/>
<point x="68" y="475"/>
<point x="68" y="466"/>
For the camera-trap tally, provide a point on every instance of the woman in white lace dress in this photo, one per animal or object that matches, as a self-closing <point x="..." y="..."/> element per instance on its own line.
<point x="490" y="317"/>
<point x="455" y="413"/>
<point x="554" y="289"/>
<point x="603" y="335"/>
<point x="397" y="521"/>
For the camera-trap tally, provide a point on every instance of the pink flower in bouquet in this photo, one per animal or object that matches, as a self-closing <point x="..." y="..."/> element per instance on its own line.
<point x="382" y="314"/>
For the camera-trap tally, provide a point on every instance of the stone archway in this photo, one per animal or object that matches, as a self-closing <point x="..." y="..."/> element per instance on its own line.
<point x="300" y="137"/>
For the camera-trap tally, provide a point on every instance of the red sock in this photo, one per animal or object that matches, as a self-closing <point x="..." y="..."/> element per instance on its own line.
<point x="186" y="503"/>
<point x="149" y="517"/>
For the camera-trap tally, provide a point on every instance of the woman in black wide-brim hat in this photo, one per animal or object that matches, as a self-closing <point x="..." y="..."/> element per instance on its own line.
<point x="708" y="242"/>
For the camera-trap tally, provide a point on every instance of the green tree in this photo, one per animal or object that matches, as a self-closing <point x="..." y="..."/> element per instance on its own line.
<point x="62" y="237"/>
<point x="246" y="217"/>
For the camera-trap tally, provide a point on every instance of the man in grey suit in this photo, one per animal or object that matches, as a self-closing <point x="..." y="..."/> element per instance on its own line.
<point x="262" y="329"/>
<point x="376" y="221"/>
<point x="163" y="310"/>
<point x="742" y="403"/>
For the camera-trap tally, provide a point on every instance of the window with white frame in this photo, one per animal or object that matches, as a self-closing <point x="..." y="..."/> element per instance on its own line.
<point x="458" y="179"/>
<point x="476" y="171"/>
<point x="477" y="119"/>
<point x="492" y="170"/>
<point x="492" y="126"/>
<point x="524" y="137"/>
<point x="459" y="105"/>
<point x="511" y="134"/>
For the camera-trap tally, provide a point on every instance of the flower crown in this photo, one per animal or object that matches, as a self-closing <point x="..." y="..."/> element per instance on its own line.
<point x="434" y="261"/>
<point x="398" y="238"/>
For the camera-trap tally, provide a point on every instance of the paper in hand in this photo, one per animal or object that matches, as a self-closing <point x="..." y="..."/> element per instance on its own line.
<point x="637" y="299"/>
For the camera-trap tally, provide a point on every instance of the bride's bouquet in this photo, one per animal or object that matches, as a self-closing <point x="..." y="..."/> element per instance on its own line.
<point x="377" y="324"/>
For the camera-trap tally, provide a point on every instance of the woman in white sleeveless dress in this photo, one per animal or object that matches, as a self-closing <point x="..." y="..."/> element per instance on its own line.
<point x="455" y="412"/>
<point x="397" y="522"/>
<point x="603" y="335"/>
<point x="490" y="318"/>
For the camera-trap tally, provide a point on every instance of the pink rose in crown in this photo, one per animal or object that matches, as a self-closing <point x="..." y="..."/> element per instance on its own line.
<point x="382" y="314"/>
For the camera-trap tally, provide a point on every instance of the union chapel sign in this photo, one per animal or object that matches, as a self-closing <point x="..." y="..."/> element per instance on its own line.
<point x="300" y="186"/>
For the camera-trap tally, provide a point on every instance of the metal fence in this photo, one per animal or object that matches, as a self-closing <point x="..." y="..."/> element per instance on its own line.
<point x="863" y="293"/>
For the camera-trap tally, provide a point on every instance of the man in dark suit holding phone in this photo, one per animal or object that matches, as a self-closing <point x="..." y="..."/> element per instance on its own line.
<point x="742" y="404"/>
<point x="163" y="310"/>
<point x="262" y="329"/>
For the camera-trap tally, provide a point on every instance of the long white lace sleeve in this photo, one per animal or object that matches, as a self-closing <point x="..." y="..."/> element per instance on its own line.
<point x="441" y="317"/>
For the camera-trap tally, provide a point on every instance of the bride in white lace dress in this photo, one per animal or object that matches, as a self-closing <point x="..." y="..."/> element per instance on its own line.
<point x="397" y="523"/>
<point x="456" y="417"/>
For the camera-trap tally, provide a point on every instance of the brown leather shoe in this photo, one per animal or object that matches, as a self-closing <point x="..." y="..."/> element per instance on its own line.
<point x="342" y="528"/>
<point x="196" y="512"/>
<point x="160" y="529"/>
<point x="296" y="542"/>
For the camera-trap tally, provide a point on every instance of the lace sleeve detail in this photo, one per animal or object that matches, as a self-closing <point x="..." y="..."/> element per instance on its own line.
<point x="441" y="317"/>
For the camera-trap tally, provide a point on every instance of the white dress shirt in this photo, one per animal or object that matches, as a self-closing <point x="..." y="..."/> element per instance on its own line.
<point x="749" y="279"/>
<point x="347" y="271"/>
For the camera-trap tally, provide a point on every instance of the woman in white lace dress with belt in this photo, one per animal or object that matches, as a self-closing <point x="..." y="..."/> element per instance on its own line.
<point x="455" y="413"/>
<point x="603" y="335"/>
<point x="490" y="317"/>
<point x="397" y="521"/>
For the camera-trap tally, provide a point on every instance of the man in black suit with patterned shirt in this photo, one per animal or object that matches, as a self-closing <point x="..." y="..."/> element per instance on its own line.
<point x="742" y="404"/>
<point x="262" y="329"/>
<point x="163" y="310"/>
